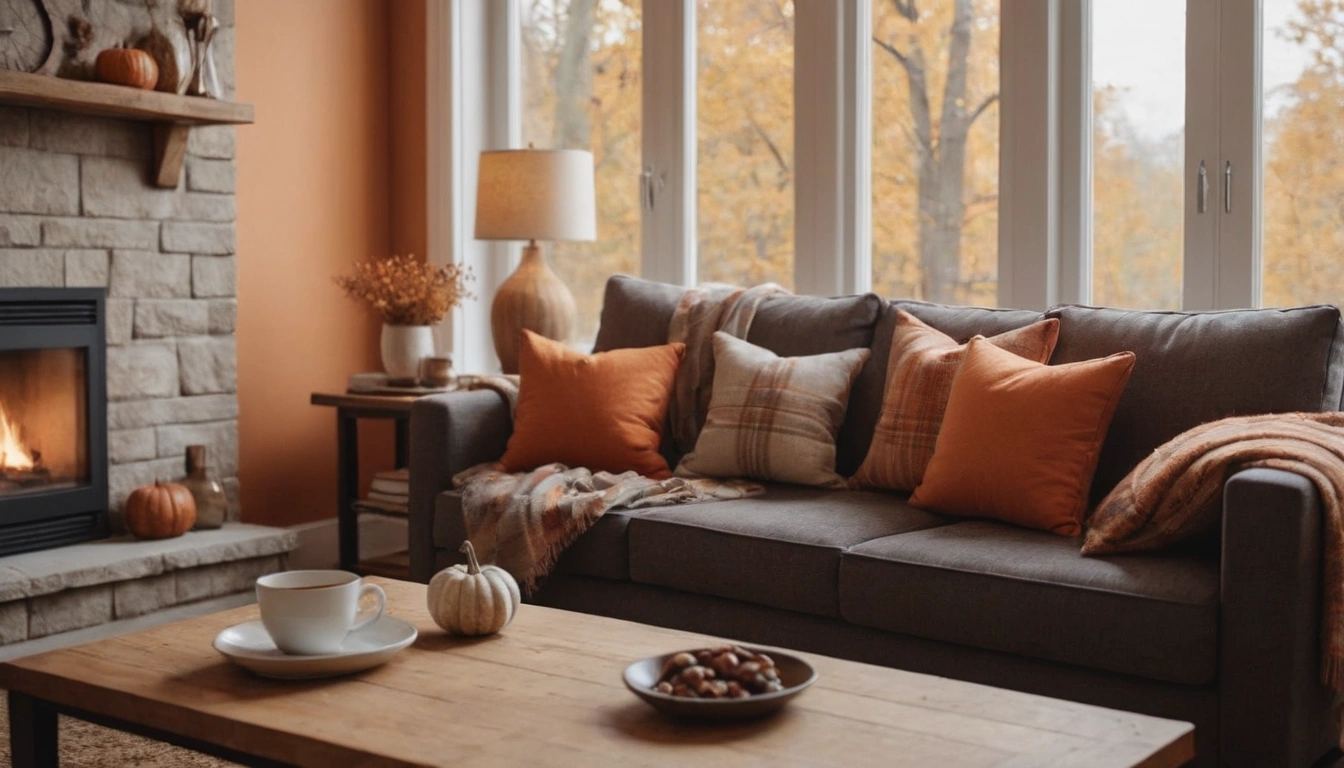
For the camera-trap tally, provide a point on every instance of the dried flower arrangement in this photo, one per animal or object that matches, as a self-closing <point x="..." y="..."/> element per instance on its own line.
<point x="405" y="290"/>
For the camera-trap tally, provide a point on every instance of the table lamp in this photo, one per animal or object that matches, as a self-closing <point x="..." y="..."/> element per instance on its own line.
<point x="533" y="194"/>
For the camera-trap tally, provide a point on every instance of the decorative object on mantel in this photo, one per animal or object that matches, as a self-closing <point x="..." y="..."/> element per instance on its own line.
<point x="172" y="56"/>
<point x="410" y="295"/>
<point x="78" y="40"/>
<point x="127" y="66"/>
<point x="201" y="28"/>
<point x="26" y="39"/>
<point x="160" y="511"/>
<point x="473" y="599"/>
<point x="206" y="491"/>
<point x="533" y="194"/>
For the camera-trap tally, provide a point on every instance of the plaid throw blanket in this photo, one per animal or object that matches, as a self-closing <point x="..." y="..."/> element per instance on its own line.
<point x="1177" y="491"/>
<point x="701" y="312"/>
<point x="523" y="521"/>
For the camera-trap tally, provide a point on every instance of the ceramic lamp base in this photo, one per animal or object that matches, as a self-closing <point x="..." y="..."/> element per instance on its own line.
<point x="532" y="298"/>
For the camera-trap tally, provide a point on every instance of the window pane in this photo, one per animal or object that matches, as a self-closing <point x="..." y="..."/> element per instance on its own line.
<point x="745" y="125"/>
<point x="1303" y="152"/>
<point x="1138" y="151"/>
<point x="581" y="90"/>
<point x="936" y="150"/>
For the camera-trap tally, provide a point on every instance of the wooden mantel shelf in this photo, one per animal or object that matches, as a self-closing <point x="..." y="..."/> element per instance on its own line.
<point x="172" y="116"/>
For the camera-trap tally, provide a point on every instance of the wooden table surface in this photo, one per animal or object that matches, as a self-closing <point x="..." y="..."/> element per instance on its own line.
<point x="548" y="691"/>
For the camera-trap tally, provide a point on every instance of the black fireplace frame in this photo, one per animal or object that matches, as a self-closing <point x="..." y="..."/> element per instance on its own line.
<point x="45" y="318"/>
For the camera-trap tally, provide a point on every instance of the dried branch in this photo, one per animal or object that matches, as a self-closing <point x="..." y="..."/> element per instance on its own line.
<point x="979" y="110"/>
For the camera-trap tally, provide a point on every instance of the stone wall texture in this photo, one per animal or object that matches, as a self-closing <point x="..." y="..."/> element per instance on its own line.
<point x="77" y="209"/>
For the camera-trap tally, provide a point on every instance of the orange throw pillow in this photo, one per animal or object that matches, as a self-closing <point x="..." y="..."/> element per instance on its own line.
<point x="604" y="412"/>
<point x="919" y="379"/>
<point x="1020" y="440"/>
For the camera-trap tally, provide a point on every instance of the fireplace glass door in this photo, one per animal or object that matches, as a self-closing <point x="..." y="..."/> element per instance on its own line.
<point x="44" y="420"/>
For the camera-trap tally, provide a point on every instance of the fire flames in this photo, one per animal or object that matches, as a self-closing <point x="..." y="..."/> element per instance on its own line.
<point x="13" y="454"/>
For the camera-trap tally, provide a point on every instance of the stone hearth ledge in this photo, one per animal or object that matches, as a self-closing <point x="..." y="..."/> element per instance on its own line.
<point x="107" y="561"/>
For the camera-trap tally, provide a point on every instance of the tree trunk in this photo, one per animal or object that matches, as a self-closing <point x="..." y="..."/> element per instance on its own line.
<point x="942" y="174"/>
<point x="574" y="78"/>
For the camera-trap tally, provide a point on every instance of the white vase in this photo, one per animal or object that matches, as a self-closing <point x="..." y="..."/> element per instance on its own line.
<point x="403" y="347"/>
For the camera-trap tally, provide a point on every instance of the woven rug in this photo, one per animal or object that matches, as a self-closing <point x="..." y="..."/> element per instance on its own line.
<point x="84" y="745"/>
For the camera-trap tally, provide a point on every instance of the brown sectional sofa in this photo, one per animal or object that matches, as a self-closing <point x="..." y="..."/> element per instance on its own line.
<point x="1223" y="632"/>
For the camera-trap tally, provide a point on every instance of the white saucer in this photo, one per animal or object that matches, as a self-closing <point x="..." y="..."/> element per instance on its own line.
<point x="248" y="646"/>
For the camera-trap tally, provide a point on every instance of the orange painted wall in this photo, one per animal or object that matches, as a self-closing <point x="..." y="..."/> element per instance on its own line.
<point x="407" y="92"/>
<point x="314" y="195"/>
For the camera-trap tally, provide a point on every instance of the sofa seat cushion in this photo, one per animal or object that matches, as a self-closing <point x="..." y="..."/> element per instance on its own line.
<point x="993" y="586"/>
<point x="781" y="549"/>
<point x="602" y="551"/>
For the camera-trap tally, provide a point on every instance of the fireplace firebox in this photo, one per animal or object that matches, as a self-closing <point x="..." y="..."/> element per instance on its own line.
<point x="53" y="417"/>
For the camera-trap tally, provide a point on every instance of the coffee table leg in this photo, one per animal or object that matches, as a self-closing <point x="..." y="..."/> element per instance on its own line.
<point x="32" y="732"/>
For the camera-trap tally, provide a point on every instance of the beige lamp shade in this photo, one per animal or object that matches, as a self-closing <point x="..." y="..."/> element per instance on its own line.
<point x="536" y="194"/>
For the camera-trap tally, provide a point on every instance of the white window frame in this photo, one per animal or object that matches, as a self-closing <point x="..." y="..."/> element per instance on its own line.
<point x="1045" y="176"/>
<point x="1221" y="257"/>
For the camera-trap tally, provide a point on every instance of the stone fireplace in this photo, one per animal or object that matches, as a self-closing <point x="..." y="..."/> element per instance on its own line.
<point x="78" y="208"/>
<point x="85" y="207"/>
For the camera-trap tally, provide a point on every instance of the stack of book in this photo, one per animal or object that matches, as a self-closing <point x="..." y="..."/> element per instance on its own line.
<point x="389" y="493"/>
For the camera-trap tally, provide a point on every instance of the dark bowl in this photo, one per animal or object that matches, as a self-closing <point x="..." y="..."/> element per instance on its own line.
<point x="794" y="674"/>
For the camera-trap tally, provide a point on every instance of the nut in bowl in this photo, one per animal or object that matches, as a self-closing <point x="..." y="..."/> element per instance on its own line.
<point x="727" y="682"/>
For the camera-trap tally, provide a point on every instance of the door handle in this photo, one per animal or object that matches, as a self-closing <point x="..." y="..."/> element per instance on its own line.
<point x="650" y="185"/>
<point x="1202" y="190"/>
<point x="1227" y="187"/>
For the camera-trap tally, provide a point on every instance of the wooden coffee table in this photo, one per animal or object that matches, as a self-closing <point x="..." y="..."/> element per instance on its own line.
<point x="546" y="691"/>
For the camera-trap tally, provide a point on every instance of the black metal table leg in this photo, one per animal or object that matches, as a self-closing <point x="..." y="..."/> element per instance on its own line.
<point x="347" y="488"/>
<point x="32" y="732"/>
<point x="403" y="439"/>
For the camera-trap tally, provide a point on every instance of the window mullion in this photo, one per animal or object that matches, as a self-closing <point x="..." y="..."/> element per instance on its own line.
<point x="1075" y="154"/>
<point x="668" y="184"/>
<point x="1238" y="261"/>
<point x="830" y="147"/>
<point x="1029" y="155"/>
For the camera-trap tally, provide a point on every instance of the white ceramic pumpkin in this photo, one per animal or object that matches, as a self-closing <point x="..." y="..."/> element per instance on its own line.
<point x="471" y="599"/>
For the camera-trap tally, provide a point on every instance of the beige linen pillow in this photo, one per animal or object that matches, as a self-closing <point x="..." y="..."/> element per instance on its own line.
<point x="773" y="418"/>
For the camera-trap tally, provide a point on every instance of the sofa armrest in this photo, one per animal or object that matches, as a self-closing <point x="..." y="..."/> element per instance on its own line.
<point x="1275" y="711"/>
<point x="449" y="433"/>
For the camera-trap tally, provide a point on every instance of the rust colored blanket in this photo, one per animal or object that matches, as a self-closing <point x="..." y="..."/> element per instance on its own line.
<point x="1177" y="492"/>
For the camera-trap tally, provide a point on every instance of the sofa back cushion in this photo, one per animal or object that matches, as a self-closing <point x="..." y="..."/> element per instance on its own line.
<point x="636" y="313"/>
<point x="865" y="400"/>
<point x="1196" y="367"/>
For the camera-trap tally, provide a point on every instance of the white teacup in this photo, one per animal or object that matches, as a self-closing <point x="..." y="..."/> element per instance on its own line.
<point x="309" y="613"/>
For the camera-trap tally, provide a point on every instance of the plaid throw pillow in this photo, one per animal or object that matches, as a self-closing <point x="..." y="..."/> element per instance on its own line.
<point x="920" y="370"/>
<point x="771" y="417"/>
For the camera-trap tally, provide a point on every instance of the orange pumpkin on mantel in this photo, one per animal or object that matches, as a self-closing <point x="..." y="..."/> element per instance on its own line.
<point x="160" y="511"/>
<point x="127" y="66"/>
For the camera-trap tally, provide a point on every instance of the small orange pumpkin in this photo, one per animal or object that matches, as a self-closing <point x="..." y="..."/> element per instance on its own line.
<point x="127" y="66"/>
<point x="160" y="511"/>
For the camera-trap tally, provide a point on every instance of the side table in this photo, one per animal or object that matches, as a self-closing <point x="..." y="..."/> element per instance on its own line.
<point x="350" y="408"/>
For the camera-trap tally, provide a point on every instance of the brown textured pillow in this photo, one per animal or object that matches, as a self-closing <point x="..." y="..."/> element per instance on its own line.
<point x="920" y="370"/>
<point x="1020" y="440"/>
<point x="771" y="417"/>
